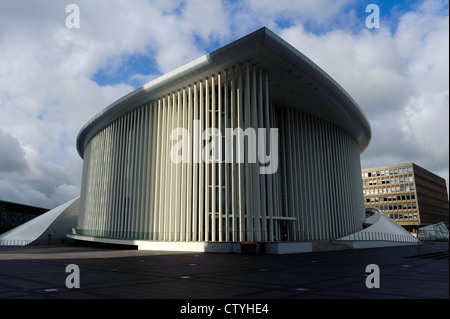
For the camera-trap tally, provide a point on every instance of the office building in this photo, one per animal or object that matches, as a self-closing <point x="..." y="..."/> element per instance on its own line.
<point x="409" y="194"/>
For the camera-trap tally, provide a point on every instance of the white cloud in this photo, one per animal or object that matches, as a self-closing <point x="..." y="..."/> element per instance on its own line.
<point x="366" y="65"/>
<point x="12" y="158"/>
<point x="399" y="79"/>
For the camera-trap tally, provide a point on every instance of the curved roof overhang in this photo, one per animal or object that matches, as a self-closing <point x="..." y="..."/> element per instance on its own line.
<point x="294" y="81"/>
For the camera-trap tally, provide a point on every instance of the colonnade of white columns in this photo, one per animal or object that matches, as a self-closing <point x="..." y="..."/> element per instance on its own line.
<point x="132" y="189"/>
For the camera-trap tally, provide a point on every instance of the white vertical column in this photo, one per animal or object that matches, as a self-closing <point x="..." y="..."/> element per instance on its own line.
<point x="263" y="195"/>
<point x="124" y="173"/>
<point x="298" y="176"/>
<point x="248" y="166"/>
<point x="183" y="208"/>
<point x="256" y="176"/>
<point x="269" y="177"/>
<point x="168" y="192"/>
<point x="173" y="221"/>
<point x="152" y="179"/>
<point x="303" y="222"/>
<point x="201" y="192"/>
<point x="196" y="192"/>
<point x="206" y="162"/>
<point x="306" y="176"/>
<point x="98" y="181"/>
<point x="142" y="166"/>
<point x="288" y="150"/>
<point x="296" y="167"/>
<point x="111" y="207"/>
<point x="134" y="211"/>
<point x="133" y="142"/>
<point x="315" y="184"/>
<point x="164" y="179"/>
<point x="114" y="177"/>
<point x="140" y="199"/>
<point x="126" y="227"/>
<point x="324" y="199"/>
<point x="178" y="176"/>
<point x="213" y="164"/>
<point x="158" y="171"/>
<point x="117" y="181"/>
<point x="127" y="177"/>
<point x="92" y="185"/>
<point x="227" y="166"/>
<point x="329" y="174"/>
<point x="221" y="164"/>
<point x="134" y="171"/>
<point x="190" y="189"/>
<point x="122" y="169"/>
<point x="240" y="153"/>
<point x="234" y="165"/>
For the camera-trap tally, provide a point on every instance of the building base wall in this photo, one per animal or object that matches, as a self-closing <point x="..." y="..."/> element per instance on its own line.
<point x="275" y="248"/>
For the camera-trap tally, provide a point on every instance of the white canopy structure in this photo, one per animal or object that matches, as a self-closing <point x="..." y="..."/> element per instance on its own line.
<point x="50" y="227"/>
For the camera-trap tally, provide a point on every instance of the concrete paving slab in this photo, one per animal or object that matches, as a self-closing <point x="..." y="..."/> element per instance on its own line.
<point x="38" y="272"/>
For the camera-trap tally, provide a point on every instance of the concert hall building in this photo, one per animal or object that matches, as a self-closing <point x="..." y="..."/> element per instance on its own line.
<point x="159" y="165"/>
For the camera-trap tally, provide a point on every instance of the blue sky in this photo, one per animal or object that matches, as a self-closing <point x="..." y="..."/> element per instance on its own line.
<point x="54" y="79"/>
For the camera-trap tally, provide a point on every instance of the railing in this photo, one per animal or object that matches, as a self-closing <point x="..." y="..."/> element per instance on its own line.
<point x="14" y="242"/>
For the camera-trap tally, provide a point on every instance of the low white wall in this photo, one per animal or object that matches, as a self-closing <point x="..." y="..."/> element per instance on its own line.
<point x="189" y="246"/>
<point x="287" y="248"/>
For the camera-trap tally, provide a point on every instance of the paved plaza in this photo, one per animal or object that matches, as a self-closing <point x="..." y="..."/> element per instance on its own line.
<point x="39" y="272"/>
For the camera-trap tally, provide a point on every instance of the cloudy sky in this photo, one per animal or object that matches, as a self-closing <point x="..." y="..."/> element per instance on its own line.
<point x="53" y="79"/>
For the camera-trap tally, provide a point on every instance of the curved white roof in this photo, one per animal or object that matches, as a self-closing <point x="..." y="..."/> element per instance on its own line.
<point x="30" y="231"/>
<point x="382" y="227"/>
<point x="294" y="81"/>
